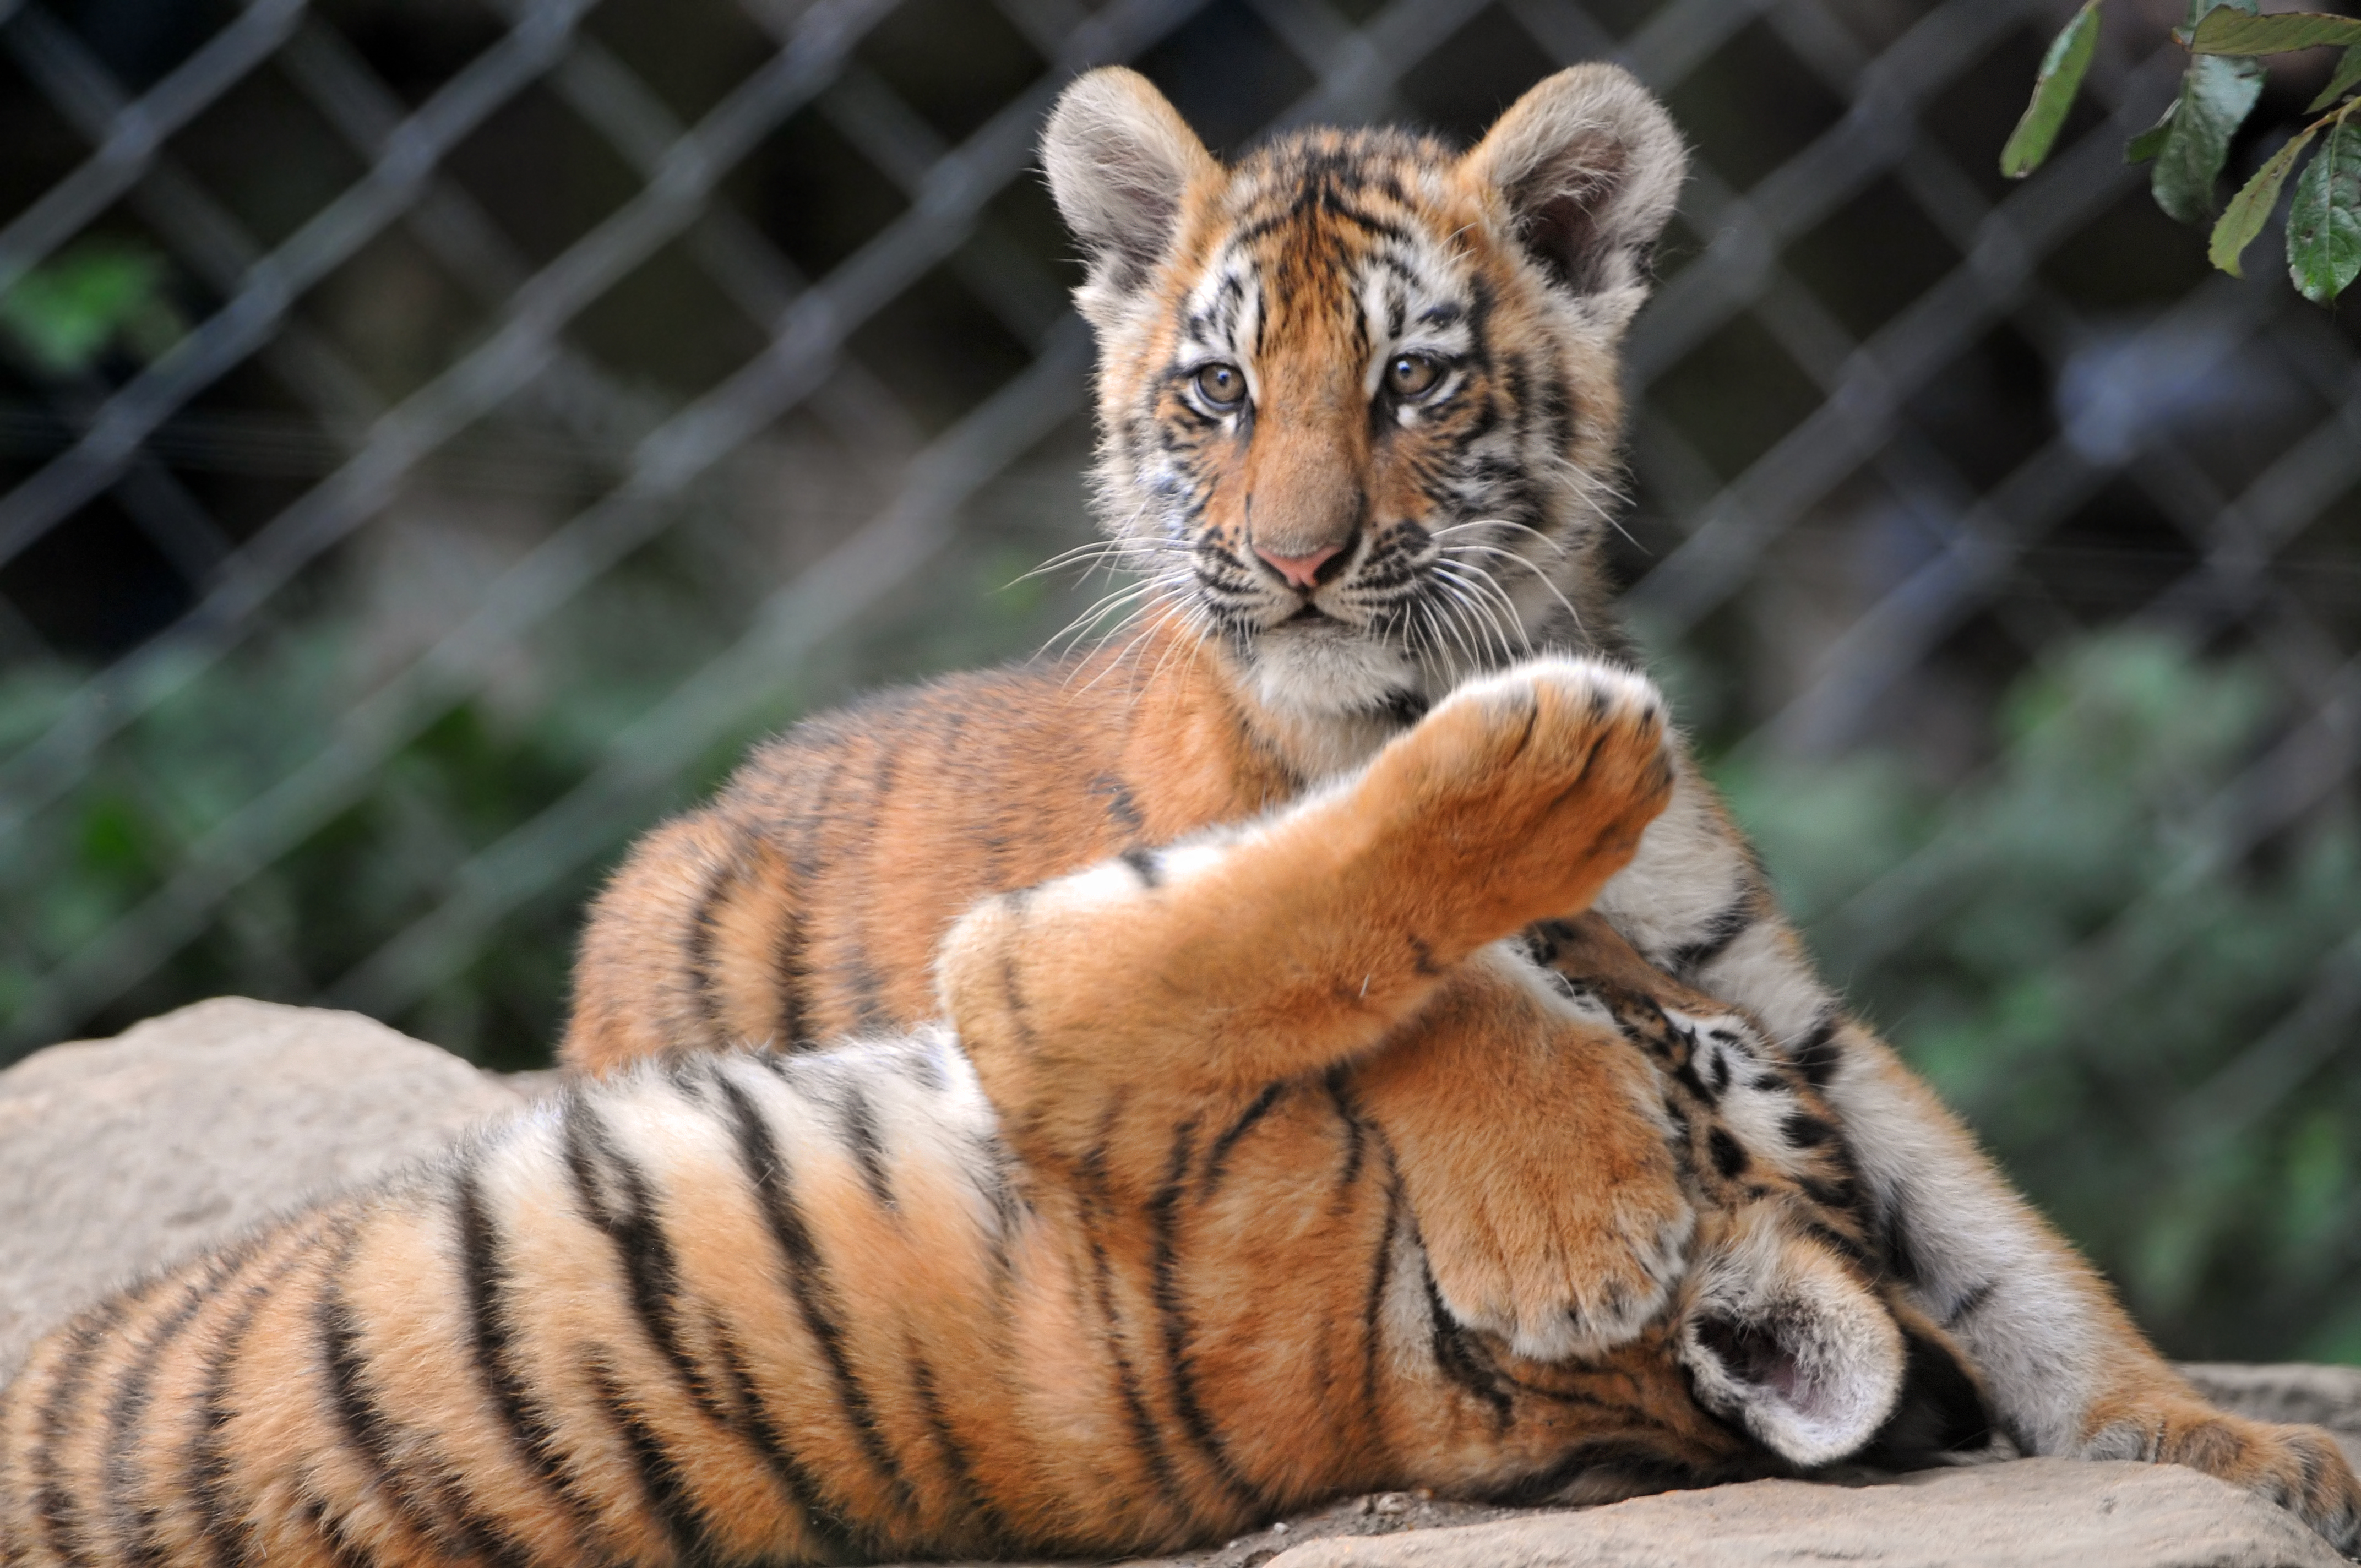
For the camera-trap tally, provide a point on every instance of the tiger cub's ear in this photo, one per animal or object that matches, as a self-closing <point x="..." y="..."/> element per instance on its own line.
<point x="1589" y="167"/>
<point x="1119" y="158"/>
<point x="1780" y="1337"/>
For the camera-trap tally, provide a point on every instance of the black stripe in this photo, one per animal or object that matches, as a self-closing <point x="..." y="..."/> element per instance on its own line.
<point x="1718" y="935"/>
<point x="1144" y="865"/>
<point x="1967" y="1305"/>
<point x="1090" y="1182"/>
<point x="955" y="1455"/>
<point x="1817" y="1052"/>
<point x="449" y="1523"/>
<point x="223" y="1520"/>
<point x="1217" y="1158"/>
<point x="788" y="976"/>
<point x="484" y="1277"/>
<point x="53" y="1504"/>
<point x="1357" y="1131"/>
<point x="1122" y="808"/>
<point x="1647" y="1471"/>
<point x="1373" y="1304"/>
<point x="1804" y="1130"/>
<point x="1457" y="1359"/>
<point x="840" y="1540"/>
<point x="860" y="1120"/>
<point x="636" y="1230"/>
<point x="135" y="1522"/>
<point x="766" y="1170"/>
<point x="703" y="933"/>
<point x="1728" y="1157"/>
<point x="676" y="1513"/>
<point x="341" y="1551"/>
<point x="1172" y="1318"/>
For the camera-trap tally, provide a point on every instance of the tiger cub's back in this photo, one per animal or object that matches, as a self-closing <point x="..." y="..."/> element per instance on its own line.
<point x="806" y="901"/>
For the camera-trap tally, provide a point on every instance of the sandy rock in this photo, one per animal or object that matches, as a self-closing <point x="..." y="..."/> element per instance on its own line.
<point x="2033" y="1513"/>
<point x="118" y="1155"/>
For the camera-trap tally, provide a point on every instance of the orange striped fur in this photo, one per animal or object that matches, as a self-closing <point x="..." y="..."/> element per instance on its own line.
<point x="1358" y="406"/>
<point x="1127" y="1263"/>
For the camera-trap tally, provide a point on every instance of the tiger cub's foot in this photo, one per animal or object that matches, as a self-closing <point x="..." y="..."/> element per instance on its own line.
<point x="2300" y="1468"/>
<point x="1538" y="1164"/>
<point x="1555" y="1267"/>
<point x="1522" y="792"/>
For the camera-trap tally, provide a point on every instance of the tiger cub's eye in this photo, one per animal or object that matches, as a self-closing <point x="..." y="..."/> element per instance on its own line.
<point x="1412" y="373"/>
<point x="1221" y="385"/>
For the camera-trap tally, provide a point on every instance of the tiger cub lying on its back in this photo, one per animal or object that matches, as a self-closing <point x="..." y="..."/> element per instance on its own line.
<point x="1358" y="406"/>
<point x="1120" y="1260"/>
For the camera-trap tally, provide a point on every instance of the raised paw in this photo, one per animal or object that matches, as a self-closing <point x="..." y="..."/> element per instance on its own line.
<point x="2300" y="1468"/>
<point x="1525" y="790"/>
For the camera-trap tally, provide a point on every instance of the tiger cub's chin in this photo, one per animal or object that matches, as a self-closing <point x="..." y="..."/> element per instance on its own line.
<point x="1329" y="670"/>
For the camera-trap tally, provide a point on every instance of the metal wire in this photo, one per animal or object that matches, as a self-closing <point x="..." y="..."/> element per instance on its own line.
<point x="636" y="456"/>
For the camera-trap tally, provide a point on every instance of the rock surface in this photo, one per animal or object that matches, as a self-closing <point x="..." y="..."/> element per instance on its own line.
<point x="2032" y="1513"/>
<point x="118" y="1155"/>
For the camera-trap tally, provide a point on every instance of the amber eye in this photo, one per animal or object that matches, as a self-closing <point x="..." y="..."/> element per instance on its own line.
<point x="1221" y="385"/>
<point x="1412" y="373"/>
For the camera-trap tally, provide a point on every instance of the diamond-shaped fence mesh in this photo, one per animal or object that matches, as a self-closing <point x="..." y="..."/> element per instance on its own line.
<point x="436" y="435"/>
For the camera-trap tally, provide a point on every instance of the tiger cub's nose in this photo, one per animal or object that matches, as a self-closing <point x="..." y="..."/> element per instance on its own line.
<point x="1300" y="571"/>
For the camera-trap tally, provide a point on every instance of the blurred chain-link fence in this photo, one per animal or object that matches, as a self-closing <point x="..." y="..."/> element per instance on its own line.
<point x="435" y="436"/>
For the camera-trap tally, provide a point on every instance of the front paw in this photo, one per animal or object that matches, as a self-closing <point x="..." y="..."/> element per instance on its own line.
<point x="1526" y="790"/>
<point x="2300" y="1468"/>
<point x="1558" y="1268"/>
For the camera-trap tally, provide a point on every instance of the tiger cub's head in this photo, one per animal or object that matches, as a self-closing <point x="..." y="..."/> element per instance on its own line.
<point x="1358" y="392"/>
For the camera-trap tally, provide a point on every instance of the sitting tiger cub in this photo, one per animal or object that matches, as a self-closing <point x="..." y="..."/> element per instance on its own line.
<point x="1120" y="1260"/>
<point x="1358" y="409"/>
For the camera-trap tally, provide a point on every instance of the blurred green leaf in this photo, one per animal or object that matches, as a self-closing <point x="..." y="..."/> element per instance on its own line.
<point x="2150" y="142"/>
<point x="2324" y="221"/>
<point x="2054" y="86"/>
<point x="2227" y="32"/>
<point x="2251" y="207"/>
<point x="2217" y="93"/>
<point x="2347" y="77"/>
<point x="68" y="311"/>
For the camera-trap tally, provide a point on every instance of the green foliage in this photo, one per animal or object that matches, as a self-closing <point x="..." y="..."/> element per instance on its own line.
<point x="2060" y="78"/>
<point x="2324" y="219"/>
<point x="2347" y="77"/>
<point x="2226" y="31"/>
<point x="2190" y="143"/>
<point x="2216" y="95"/>
<point x="68" y="311"/>
<point x="2069" y="953"/>
<point x="2251" y="207"/>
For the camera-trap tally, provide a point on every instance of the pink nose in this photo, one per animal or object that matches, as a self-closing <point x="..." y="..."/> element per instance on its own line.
<point x="1301" y="571"/>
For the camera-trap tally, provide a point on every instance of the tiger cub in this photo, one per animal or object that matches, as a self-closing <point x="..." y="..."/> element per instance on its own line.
<point x="1357" y="406"/>
<point x="1119" y="1260"/>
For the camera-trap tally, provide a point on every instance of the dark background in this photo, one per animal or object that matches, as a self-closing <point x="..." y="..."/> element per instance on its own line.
<point x="436" y="438"/>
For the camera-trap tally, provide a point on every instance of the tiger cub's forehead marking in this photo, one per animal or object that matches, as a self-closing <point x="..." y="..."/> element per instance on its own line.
<point x="1367" y="261"/>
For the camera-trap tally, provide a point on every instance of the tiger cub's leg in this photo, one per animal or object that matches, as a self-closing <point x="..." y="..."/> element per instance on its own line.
<point x="1536" y="1156"/>
<point x="1144" y="991"/>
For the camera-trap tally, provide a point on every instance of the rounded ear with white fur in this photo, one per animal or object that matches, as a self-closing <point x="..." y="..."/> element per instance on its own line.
<point x="1119" y="158"/>
<point x="1590" y="167"/>
<point x="1779" y="1337"/>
